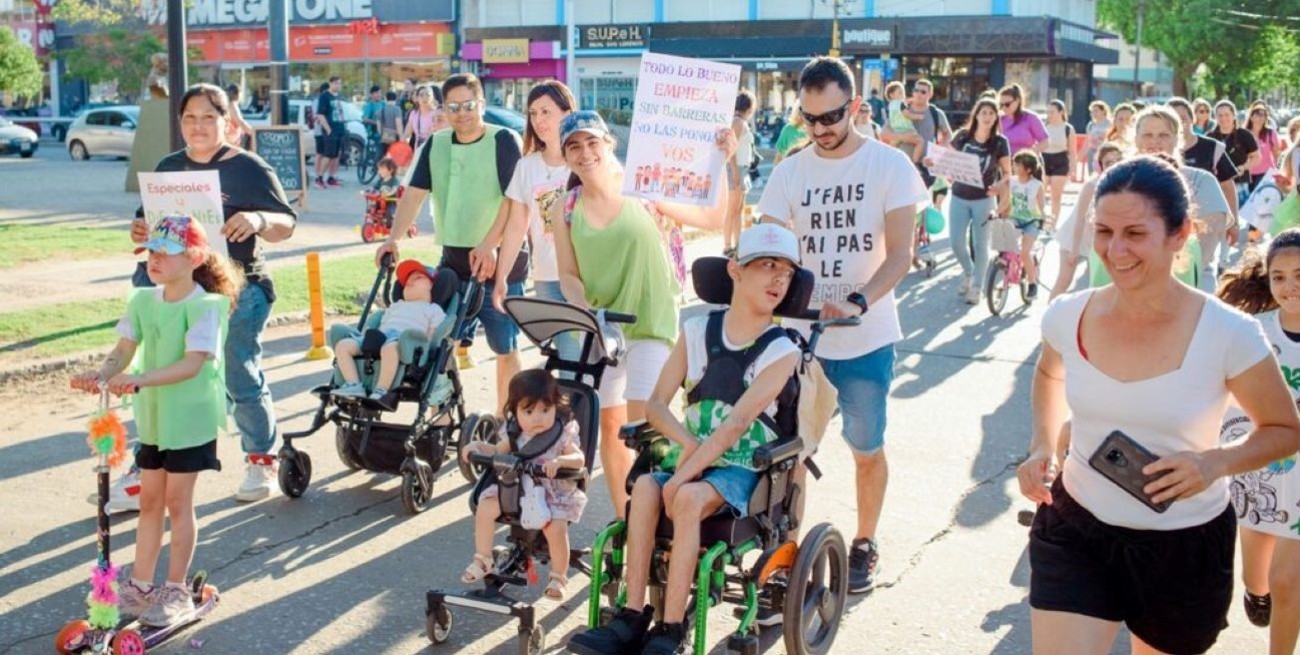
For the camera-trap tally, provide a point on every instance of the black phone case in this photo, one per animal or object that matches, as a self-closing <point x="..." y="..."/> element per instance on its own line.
<point x="1121" y="460"/>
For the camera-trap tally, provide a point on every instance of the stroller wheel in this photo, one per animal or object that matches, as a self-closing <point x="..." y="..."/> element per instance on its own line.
<point x="438" y="625"/>
<point x="341" y="435"/>
<point x="535" y="642"/>
<point x="295" y="472"/>
<point x="414" y="495"/>
<point x="477" y="427"/>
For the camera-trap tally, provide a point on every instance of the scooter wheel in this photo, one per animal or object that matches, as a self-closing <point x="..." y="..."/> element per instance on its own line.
<point x="438" y="625"/>
<point x="209" y="593"/>
<point x="69" y="637"/>
<point x="535" y="643"/>
<point x="128" y="642"/>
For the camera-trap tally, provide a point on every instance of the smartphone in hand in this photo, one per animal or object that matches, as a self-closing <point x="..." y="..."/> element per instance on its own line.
<point x="1121" y="460"/>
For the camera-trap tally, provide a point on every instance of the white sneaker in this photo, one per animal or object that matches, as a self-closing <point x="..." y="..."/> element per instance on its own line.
<point x="973" y="296"/>
<point x="259" y="478"/>
<point x="134" y="599"/>
<point x="123" y="493"/>
<point x="172" y="604"/>
<point x="965" y="285"/>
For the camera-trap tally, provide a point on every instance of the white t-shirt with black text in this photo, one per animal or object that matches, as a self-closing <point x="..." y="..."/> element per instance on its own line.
<point x="837" y="209"/>
<point x="539" y="186"/>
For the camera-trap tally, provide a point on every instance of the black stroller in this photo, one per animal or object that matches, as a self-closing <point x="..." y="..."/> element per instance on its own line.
<point x="426" y="376"/>
<point x="541" y="321"/>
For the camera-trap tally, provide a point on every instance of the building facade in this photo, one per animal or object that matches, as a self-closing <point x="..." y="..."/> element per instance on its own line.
<point x="963" y="46"/>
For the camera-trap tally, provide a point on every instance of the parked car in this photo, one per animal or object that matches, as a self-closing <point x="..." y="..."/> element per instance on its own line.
<point x="505" y="118"/>
<point x="15" y="138"/>
<point x="302" y="112"/>
<point x="107" y="132"/>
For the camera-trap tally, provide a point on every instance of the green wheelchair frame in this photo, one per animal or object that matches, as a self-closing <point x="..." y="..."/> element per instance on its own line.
<point x="818" y="567"/>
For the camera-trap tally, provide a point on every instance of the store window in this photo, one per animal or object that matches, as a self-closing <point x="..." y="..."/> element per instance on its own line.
<point x="613" y="97"/>
<point x="958" y="81"/>
<point x="1034" y="75"/>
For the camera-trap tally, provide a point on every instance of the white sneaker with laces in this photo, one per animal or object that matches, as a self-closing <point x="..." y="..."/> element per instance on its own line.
<point x="259" y="478"/>
<point x="134" y="599"/>
<point x="973" y="296"/>
<point x="173" y="603"/>
<point x="123" y="493"/>
<point x="964" y="289"/>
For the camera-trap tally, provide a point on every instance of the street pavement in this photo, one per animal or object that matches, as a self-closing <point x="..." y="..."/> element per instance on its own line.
<point x="344" y="568"/>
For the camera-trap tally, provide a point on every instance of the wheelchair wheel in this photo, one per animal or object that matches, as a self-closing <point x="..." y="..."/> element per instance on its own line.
<point x="815" y="599"/>
<point x="341" y="435"/>
<point x="295" y="472"/>
<point x="437" y="625"/>
<point x="996" y="289"/>
<point x="477" y="427"/>
<point x="414" y="495"/>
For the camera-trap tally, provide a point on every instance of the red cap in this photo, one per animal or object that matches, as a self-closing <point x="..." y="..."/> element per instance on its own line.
<point x="409" y="266"/>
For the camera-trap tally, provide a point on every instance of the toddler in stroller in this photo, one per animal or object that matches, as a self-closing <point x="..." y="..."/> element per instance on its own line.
<point x="539" y="428"/>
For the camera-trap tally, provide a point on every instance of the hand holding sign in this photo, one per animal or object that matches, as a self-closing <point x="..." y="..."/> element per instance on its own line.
<point x="196" y="194"/>
<point x="953" y="164"/>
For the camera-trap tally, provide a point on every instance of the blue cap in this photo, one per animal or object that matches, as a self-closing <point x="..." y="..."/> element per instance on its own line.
<point x="582" y="121"/>
<point x="173" y="235"/>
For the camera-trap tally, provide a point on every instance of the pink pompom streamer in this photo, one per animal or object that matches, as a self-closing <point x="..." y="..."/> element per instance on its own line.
<point x="103" y="583"/>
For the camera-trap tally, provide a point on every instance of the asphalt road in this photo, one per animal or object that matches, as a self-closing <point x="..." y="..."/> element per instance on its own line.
<point x="344" y="569"/>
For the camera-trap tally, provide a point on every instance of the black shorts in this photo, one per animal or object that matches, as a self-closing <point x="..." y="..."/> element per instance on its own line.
<point x="183" y="460"/>
<point x="1056" y="164"/>
<point x="330" y="144"/>
<point x="1172" y="588"/>
<point x="320" y="144"/>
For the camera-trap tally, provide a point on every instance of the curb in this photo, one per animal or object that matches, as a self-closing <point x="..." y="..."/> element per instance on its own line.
<point x="50" y="366"/>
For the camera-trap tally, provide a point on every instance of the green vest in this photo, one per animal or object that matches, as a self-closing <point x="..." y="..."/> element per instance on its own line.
<point x="625" y="268"/>
<point x="187" y="413"/>
<point x="466" y="190"/>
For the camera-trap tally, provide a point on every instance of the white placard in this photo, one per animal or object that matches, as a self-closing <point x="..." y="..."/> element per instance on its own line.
<point x="196" y="194"/>
<point x="680" y="105"/>
<point x="955" y="165"/>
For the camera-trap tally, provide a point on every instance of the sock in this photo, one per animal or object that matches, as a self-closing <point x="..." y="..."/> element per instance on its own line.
<point x="143" y="585"/>
<point x="866" y="545"/>
<point x="177" y="585"/>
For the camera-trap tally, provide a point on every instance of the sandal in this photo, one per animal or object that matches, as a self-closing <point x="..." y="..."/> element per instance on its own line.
<point x="480" y="568"/>
<point x="558" y="583"/>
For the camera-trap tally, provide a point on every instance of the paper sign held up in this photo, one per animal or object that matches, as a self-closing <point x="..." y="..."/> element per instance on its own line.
<point x="196" y="194"/>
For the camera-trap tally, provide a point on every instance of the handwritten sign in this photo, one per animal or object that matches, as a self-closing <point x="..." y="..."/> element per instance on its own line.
<point x="955" y="165"/>
<point x="281" y="148"/>
<point x="680" y="105"/>
<point x="196" y="194"/>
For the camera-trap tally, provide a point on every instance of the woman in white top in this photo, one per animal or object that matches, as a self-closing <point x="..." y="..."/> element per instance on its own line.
<point x="1059" y="154"/>
<point x="1157" y="361"/>
<point x="537" y="185"/>
<point x="738" y="170"/>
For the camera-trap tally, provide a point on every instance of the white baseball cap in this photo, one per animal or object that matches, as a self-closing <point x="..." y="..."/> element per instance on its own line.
<point x="767" y="240"/>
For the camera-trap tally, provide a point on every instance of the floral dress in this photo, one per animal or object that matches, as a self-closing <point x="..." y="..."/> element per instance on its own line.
<point x="565" y="500"/>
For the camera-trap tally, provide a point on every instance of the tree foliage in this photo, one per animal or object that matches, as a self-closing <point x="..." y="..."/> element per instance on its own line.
<point x="108" y="13"/>
<point x="20" y="73"/>
<point x="115" y="54"/>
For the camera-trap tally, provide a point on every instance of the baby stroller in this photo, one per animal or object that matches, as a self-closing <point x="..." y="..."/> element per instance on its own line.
<point x="541" y="321"/>
<point x="807" y="581"/>
<point x="380" y="210"/>
<point x="426" y="376"/>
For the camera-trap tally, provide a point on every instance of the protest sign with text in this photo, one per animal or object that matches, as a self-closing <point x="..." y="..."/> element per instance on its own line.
<point x="196" y="194"/>
<point x="680" y="105"/>
<point x="955" y="165"/>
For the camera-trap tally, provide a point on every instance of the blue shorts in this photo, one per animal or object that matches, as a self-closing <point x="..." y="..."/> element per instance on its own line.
<point x="1029" y="228"/>
<point x="502" y="333"/>
<point x="734" y="483"/>
<point x="863" y="386"/>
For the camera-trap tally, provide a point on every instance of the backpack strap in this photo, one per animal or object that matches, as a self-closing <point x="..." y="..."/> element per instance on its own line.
<point x="570" y="203"/>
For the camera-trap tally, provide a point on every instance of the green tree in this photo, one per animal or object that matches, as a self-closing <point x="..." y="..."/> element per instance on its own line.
<point x="20" y="73"/>
<point x="115" y="54"/>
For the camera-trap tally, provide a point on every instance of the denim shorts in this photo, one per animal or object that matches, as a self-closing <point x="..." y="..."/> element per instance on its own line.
<point x="734" y="483"/>
<point x="1029" y="228"/>
<point x="502" y="333"/>
<point x="863" y="386"/>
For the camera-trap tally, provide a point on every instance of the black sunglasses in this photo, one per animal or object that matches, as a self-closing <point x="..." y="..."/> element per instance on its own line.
<point x="829" y="118"/>
<point x="1006" y="104"/>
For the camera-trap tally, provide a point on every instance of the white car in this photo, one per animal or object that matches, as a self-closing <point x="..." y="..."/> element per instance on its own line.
<point x="107" y="132"/>
<point x="16" y="139"/>
<point x="302" y="111"/>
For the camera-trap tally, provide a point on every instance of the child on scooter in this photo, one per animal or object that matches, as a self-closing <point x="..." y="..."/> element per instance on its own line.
<point x="535" y="405"/>
<point x="179" y="327"/>
<point x="415" y="311"/>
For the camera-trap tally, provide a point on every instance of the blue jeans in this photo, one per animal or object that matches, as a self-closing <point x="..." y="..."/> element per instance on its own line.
<point x="502" y="333"/>
<point x="863" y="386"/>
<point x="246" y="386"/>
<point x="964" y="216"/>
<point x="566" y="342"/>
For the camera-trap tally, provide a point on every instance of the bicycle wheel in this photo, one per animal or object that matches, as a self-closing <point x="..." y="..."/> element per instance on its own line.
<point x="995" y="290"/>
<point x="366" y="170"/>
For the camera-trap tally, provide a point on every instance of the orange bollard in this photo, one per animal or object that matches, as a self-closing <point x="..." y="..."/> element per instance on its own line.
<point x="318" y="349"/>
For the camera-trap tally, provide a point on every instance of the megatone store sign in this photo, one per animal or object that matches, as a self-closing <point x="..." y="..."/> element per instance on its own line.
<point x="241" y="13"/>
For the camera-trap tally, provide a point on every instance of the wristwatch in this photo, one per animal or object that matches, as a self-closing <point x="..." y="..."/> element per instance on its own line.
<point x="856" y="298"/>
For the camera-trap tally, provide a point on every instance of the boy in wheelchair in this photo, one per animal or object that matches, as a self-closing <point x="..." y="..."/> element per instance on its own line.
<point x="738" y="367"/>
<point x="416" y="311"/>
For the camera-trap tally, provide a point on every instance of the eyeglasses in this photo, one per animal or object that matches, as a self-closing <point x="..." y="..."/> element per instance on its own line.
<point x="458" y="107"/>
<point x="1006" y="103"/>
<point x="1202" y="111"/>
<point x="829" y="118"/>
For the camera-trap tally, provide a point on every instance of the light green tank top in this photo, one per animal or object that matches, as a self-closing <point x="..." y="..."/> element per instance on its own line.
<point x="188" y="413"/>
<point x="625" y="268"/>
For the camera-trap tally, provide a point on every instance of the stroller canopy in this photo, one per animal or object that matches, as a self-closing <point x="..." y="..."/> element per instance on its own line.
<point x="541" y="320"/>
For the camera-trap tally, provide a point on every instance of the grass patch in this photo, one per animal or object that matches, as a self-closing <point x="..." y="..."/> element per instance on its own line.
<point x="66" y="328"/>
<point x="24" y="244"/>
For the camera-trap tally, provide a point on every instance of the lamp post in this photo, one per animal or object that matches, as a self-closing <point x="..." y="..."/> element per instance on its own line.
<point x="278" y="28"/>
<point x="177" y="62"/>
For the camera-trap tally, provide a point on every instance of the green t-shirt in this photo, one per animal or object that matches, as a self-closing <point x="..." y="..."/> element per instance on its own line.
<point x="625" y="268"/>
<point x="790" y="135"/>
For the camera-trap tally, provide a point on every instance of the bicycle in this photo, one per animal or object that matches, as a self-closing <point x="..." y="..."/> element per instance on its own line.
<point x="370" y="156"/>
<point x="1007" y="269"/>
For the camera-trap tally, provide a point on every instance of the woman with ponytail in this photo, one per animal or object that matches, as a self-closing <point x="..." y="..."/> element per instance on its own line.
<point x="178" y="327"/>
<point x="1268" y="499"/>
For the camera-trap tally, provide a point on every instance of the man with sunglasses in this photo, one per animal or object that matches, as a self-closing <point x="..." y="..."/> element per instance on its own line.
<point x="467" y="170"/>
<point x="852" y="202"/>
<point x="933" y="128"/>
